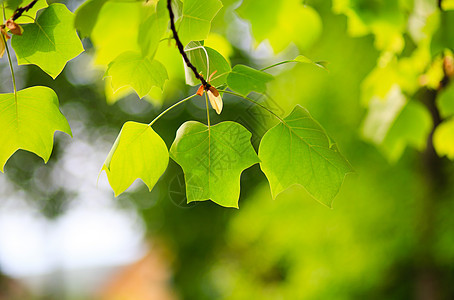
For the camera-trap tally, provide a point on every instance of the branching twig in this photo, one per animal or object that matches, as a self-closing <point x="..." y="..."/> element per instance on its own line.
<point x="205" y="84"/>
<point x="20" y="10"/>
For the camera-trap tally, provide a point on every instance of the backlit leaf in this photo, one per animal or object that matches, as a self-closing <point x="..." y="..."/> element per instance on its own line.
<point x="411" y="128"/>
<point x="244" y="79"/>
<point x="87" y="15"/>
<point x="299" y="151"/>
<point x="12" y="5"/>
<point x="195" y="23"/>
<point x="213" y="159"/>
<point x="152" y="29"/>
<point x="141" y="73"/>
<point x="282" y="22"/>
<point x="50" y="42"/>
<point x="445" y="101"/>
<point x="138" y="152"/>
<point x="29" y="122"/>
<point x="443" y="139"/>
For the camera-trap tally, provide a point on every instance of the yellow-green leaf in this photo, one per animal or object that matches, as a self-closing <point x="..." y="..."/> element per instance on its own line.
<point x="29" y="121"/>
<point x="138" y="152"/>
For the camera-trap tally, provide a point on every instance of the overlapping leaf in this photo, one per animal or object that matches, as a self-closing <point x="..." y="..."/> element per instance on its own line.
<point x="29" y="121"/>
<point x="214" y="62"/>
<point x="411" y="128"/>
<point x="12" y="5"/>
<point x="138" y="152"/>
<point x="298" y="151"/>
<point x="152" y="29"/>
<point x="112" y="35"/>
<point x="244" y="79"/>
<point x="87" y="15"/>
<point x="213" y="159"/>
<point x="50" y="42"/>
<point x="195" y="22"/>
<point x="141" y="73"/>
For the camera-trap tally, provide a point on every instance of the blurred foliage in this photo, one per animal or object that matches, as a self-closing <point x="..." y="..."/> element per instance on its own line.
<point x="391" y="230"/>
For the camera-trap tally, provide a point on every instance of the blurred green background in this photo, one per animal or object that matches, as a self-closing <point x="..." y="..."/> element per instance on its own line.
<point x="390" y="234"/>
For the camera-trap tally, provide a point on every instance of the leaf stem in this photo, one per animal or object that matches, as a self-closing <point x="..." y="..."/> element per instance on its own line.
<point x="208" y="111"/>
<point x="256" y="103"/>
<point x="9" y="58"/>
<point x="170" y="108"/>
<point x="205" y="84"/>
<point x="278" y="64"/>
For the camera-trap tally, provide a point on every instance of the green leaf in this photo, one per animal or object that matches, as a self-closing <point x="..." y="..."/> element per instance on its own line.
<point x="445" y="101"/>
<point x="213" y="159"/>
<point x="447" y="4"/>
<point x="152" y="29"/>
<point x="138" y="152"/>
<point x="306" y="60"/>
<point x="282" y="22"/>
<point x="411" y="127"/>
<point x="29" y="122"/>
<point x="116" y="30"/>
<point x="141" y="73"/>
<point x="50" y="42"/>
<point x="87" y="15"/>
<point x="298" y="151"/>
<point x="244" y="79"/>
<point x="198" y="58"/>
<point x="443" y="139"/>
<point x="12" y="5"/>
<point x="443" y="38"/>
<point x="382" y="114"/>
<point x="196" y="20"/>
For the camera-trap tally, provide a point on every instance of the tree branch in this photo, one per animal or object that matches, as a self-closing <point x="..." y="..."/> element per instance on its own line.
<point x="205" y="84"/>
<point x="20" y="10"/>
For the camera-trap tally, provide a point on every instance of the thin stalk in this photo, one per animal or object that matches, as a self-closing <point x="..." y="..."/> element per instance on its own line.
<point x="278" y="64"/>
<point x="170" y="108"/>
<point x="208" y="110"/>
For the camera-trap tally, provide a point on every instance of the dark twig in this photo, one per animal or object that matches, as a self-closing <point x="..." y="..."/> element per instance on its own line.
<point x="20" y="10"/>
<point x="205" y="84"/>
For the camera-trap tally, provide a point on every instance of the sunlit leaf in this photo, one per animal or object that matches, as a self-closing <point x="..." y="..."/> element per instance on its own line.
<point x="116" y="30"/>
<point x="50" y="42"/>
<point x="213" y="159"/>
<point x="411" y="128"/>
<point x="138" y="152"/>
<point x="382" y="18"/>
<point x="282" y="22"/>
<point x="244" y="79"/>
<point x="12" y="5"/>
<point x="443" y="139"/>
<point x="447" y="4"/>
<point x="445" y="101"/>
<point x="141" y="73"/>
<point x="152" y="29"/>
<point x="299" y="151"/>
<point x="195" y="23"/>
<point x="443" y="38"/>
<point x="87" y="15"/>
<point x="382" y="114"/>
<point x="29" y="122"/>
